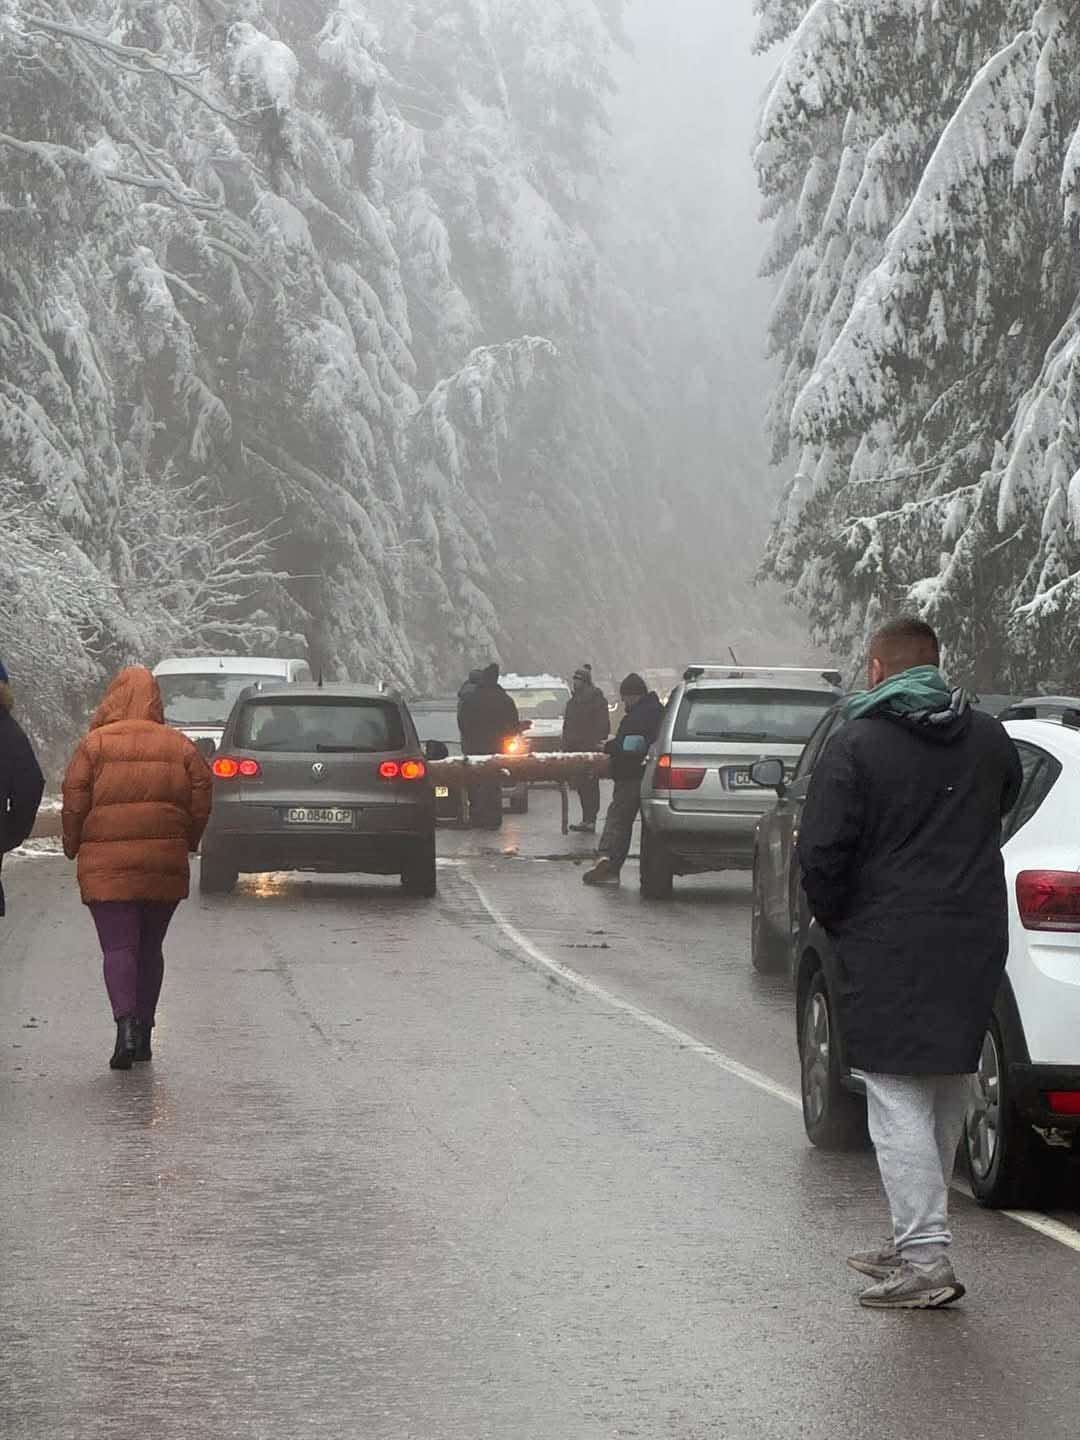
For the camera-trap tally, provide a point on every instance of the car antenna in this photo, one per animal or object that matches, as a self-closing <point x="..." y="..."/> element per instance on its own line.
<point x="731" y="652"/>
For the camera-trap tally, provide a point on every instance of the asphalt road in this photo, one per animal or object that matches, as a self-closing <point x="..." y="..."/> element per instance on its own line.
<point x="517" y="1163"/>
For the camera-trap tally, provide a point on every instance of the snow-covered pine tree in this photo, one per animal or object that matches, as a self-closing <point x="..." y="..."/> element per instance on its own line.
<point x="916" y="155"/>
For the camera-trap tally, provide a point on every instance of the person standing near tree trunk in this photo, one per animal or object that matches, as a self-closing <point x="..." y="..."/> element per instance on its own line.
<point x="586" y="726"/>
<point x="487" y="718"/>
<point x="21" y="781"/>
<point x="628" y="751"/>
<point x="900" y="847"/>
<point x="137" y="797"/>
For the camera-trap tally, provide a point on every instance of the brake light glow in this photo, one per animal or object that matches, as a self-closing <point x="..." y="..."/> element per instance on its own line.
<point x="514" y="745"/>
<point x="409" y="770"/>
<point x="226" y="768"/>
<point x="1049" y="899"/>
<point x="677" y="777"/>
<point x="1064" y="1102"/>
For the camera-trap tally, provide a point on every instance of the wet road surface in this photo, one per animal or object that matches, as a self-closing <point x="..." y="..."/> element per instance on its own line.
<point x="393" y="1175"/>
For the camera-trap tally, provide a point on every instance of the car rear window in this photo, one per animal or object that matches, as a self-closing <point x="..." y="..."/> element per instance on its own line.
<point x="548" y="703"/>
<point x="787" y="717"/>
<point x="436" y="725"/>
<point x="198" y="699"/>
<point x="366" y="727"/>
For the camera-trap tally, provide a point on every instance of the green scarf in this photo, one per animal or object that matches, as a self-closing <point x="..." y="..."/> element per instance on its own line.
<point x="918" y="691"/>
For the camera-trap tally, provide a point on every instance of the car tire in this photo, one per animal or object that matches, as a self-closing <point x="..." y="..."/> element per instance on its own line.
<point x="834" y="1118"/>
<point x="519" y="800"/>
<point x="418" y="875"/>
<point x="1009" y="1165"/>
<point x="766" y="952"/>
<point x="656" y="872"/>
<point x="215" y="876"/>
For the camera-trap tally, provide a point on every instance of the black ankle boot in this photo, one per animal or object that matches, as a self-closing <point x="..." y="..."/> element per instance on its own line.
<point x="142" y="1040"/>
<point x="124" y="1053"/>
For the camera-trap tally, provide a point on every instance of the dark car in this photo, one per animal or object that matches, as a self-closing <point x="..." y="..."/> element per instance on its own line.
<point x="325" y="778"/>
<point x="785" y="939"/>
<point x="1065" y="709"/>
<point x="436" y="721"/>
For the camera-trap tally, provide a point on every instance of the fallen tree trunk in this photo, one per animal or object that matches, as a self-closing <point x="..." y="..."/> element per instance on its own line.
<point x="556" y="769"/>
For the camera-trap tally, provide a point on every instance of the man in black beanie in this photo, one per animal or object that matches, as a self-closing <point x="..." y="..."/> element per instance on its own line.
<point x="638" y="731"/>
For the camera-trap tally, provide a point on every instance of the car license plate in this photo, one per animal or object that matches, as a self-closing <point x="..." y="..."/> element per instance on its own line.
<point x="739" y="778"/>
<point x="318" y="815"/>
<point x="442" y="792"/>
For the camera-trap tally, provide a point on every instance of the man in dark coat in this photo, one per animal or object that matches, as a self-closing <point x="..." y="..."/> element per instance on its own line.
<point x="21" y="781"/>
<point x="637" y="732"/>
<point x="586" y="726"/>
<point x="487" y="717"/>
<point x="900" y="846"/>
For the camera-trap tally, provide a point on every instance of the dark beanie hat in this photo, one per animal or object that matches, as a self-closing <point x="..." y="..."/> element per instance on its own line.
<point x="633" y="685"/>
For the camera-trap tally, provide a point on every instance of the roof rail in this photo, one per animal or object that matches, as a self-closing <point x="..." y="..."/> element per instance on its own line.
<point x="714" y="671"/>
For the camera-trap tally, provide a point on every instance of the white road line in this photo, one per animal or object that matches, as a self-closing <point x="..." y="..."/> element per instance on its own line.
<point x="1043" y="1224"/>
<point x="682" y="1038"/>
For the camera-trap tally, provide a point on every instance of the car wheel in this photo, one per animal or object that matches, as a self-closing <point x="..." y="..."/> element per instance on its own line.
<point x="656" y="872"/>
<point x="519" y="800"/>
<point x="418" y="874"/>
<point x="215" y="876"/>
<point x="1009" y="1164"/>
<point x="766" y="954"/>
<point x="835" y="1119"/>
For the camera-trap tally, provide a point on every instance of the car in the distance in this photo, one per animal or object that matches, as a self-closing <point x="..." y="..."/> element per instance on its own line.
<point x="699" y="803"/>
<point x="331" y="779"/>
<point x="199" y="691"/>
<point x="1025" y="1120"/>
<point x="541" y="702"/>
<point x="435" y="718"/>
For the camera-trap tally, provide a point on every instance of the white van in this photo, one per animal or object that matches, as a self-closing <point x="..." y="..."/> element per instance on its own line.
<point x="199" y="691"/>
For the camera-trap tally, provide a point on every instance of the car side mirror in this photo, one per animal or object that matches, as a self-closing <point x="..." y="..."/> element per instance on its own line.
<point x="436" y="750"/>
<point x="207" y="747"/>
<point x="769" y="775"/>
<point x="524" y="725"/>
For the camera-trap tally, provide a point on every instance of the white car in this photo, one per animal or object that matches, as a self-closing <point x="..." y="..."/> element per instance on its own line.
<point x="1027" y="1114"/>
<point x="199" y="692"/>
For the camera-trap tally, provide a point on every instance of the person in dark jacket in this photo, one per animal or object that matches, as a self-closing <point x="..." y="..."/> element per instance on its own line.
<point x="586" y="726"/>
<point x="487" y="717"/>
<point x="900" y="846"/>
<point x="629" y="749"/>
<point x="21" y="781"/>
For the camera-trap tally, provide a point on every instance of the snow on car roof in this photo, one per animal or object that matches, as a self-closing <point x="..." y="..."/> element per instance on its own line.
<point x="533" y="682"/>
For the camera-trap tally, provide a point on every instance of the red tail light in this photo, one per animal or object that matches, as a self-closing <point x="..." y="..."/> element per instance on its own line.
<point x="677" y="777"/>
<point x="1049" y="899"/>
<point x="226" y="768"/>
<point x="410" y="770"/>
<point x="1064" y="1102"/>
<point x="515" y="745"/>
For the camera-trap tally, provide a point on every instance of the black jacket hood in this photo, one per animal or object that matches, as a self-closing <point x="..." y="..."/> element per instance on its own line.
<point x="937" y="727"/>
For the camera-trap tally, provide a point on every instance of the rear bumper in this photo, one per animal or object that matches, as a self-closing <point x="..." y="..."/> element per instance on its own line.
<point x="254" y="837"/>
<point x="1031" y="1084"/>
<point x="703" y="840"/>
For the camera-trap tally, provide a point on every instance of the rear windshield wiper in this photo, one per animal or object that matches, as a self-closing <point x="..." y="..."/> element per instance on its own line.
<point x="345" y="750"/>
<point x="747" y="735"/>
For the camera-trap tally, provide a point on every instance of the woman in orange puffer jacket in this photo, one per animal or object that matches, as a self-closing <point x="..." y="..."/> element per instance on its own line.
<point x="136" y="802"/>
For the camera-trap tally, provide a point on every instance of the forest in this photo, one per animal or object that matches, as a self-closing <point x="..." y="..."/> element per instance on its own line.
<point x="920" y="163"/>
<point x="349" y="328"/>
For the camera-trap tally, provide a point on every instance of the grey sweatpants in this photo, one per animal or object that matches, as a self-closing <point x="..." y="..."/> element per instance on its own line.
<point x="916" y="1123"/>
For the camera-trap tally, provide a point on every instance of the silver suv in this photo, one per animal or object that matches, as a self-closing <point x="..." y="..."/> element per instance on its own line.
<point x="699" y="803"/>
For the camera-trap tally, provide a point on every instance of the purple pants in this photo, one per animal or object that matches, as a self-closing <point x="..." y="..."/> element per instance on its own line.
<point x="132" y="933"/>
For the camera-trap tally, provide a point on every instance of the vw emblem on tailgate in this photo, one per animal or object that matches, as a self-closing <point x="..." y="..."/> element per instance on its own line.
<point x="318" y="769"/>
